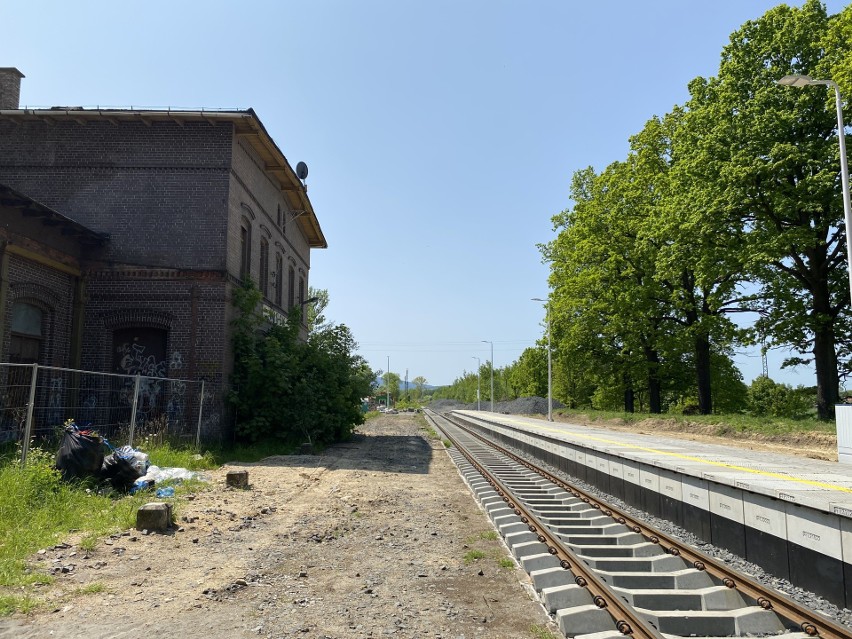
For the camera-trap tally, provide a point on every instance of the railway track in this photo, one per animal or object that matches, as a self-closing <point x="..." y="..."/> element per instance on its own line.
<point x="602" y="573"/>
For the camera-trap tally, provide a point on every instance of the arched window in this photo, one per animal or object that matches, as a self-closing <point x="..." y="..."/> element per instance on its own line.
<point x="26" y="334"/>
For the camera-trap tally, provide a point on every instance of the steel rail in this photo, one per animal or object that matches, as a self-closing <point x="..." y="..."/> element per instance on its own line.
<point x="809" y="621"/>
<point x="626" y="619"/>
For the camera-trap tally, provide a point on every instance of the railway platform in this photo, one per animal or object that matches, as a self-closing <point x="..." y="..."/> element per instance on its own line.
<point x="790" y="515"/>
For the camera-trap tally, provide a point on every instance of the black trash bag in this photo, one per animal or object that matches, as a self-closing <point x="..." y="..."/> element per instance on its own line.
<point x="79" y="456"/>
<point x="120" y="472"/>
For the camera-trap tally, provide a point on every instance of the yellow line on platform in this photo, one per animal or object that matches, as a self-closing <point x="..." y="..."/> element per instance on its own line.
<point x="753" y="471"/>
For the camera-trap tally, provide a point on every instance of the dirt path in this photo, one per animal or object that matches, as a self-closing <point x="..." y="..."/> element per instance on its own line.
<point x="367" y="540"/>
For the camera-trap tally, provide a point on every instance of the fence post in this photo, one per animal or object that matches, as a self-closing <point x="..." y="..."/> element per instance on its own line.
<point x="28" y="426"/>
<point x="200" y="409"/>
<point x="133" y="410"/>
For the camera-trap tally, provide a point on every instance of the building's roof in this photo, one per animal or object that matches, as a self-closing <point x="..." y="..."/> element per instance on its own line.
<point x="10" y="198"/>
<point x="246" y="124"/>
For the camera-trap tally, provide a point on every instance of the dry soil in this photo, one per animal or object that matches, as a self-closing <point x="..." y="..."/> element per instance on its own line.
<point x="377" y="537"/>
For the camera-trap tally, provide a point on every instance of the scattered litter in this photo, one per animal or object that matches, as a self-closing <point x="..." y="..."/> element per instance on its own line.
<point x="159" y="475"/>
<point x="127" y="469"/>
<point x="81" y="452"/>
<point x="119" y="471"/>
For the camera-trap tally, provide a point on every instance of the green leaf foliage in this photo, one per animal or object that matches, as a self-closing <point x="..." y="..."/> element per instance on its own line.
<point x="290" y="390"/>
<point x="729" y="204"/>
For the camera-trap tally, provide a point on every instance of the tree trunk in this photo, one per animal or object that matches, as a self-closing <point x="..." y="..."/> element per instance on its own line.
<point x="824" y="351"/>
<point x="629" y="400"/>
<point x="702" y="374"/>
<point x="653" y="360"/>
<point x="825" y="362"/>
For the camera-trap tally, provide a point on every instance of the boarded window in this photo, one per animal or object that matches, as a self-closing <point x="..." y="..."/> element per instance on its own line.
<point x="140" y="350"/>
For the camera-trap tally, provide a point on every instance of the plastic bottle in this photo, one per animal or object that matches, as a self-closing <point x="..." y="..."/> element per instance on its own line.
<point x="166" y="491"/>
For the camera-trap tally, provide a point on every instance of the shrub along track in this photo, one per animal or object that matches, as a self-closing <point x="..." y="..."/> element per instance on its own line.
<point x="600" y="570"/>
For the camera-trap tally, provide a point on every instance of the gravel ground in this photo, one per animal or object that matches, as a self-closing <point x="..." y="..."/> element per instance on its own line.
<point x="378" y="537"/>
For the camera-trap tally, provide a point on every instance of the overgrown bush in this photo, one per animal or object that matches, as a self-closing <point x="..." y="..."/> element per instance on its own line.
<point x="289" y="390"/>
<point x="769" y="398"/>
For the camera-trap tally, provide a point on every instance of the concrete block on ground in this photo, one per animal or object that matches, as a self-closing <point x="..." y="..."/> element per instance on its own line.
<point x="155" y="516"/>
<point x="237" y="479"/>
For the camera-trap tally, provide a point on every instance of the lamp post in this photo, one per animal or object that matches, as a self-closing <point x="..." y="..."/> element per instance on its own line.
<point x="549" y="364"/>
<point x="804" y="81"/>
<point x="387" y="385"/>
<point x="478" y="381"/>
<point x="485" y="341"/>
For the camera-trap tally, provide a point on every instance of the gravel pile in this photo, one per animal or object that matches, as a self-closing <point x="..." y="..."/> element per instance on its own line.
<point x="526" y="406"/>
<point x="443" y="405"/>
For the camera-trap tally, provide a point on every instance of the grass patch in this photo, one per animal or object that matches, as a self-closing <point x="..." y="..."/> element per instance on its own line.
<point x="431" y="433"/>
<point x="472" y="555"/>
<point x="20" y="603"/>
<point x="725" y="424"/>
<point x="91" y="589"/>
<point x="541" y="632"/>
<point x="38" y="510"/>
<point x="448" y="443"/>
<point x="486" y="535"/>
<point x="167" y="456"/>
<point x="505" y="562"/>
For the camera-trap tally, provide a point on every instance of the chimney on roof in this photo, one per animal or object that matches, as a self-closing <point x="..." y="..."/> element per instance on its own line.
<point x="10" y="88"/>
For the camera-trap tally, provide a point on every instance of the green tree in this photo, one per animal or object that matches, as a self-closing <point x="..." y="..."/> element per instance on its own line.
<point x="288" y="390"/>
<point x="390" y="381"/>
<point x="769" y="398"/>
<point x="419" y="385"/>
<point x="766" y="156"/>
<point x="315" y="318"/>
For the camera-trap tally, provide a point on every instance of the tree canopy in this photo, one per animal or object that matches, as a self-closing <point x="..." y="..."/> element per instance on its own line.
<point x="289" y="390"/>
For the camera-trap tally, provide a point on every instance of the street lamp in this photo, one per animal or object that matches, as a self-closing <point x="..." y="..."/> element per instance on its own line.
<point x="806" y="80"/>
<point x="478" y="381"/>
<point x="485" y="341"/>
<point x="387" y="385"/>
<point x="549" y="365"/>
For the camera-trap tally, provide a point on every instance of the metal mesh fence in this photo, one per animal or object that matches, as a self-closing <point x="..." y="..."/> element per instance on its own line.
<point x="36" y="401"/>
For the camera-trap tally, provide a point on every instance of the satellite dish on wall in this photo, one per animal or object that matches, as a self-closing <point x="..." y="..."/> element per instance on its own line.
<point x="302" y="170"/>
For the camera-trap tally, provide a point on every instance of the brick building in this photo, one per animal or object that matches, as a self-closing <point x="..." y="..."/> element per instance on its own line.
<point x="192" y="202"/>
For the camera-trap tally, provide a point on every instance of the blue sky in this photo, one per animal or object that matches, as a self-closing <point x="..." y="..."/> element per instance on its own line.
<point x="441" y="136"/>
